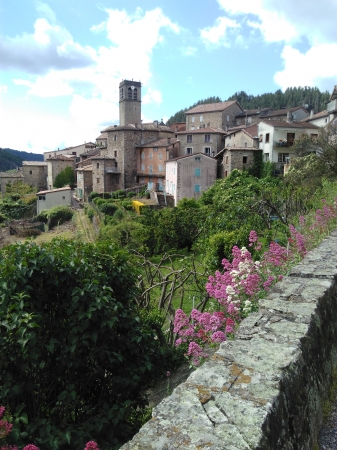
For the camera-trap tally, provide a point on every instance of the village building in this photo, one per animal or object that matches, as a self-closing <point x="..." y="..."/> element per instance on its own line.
<point x="151" y="159"/>
<point x="296" y="113"/>
<point x="56" y="164"/>
<point x="178" y="126"/>
<point x="74" y="151"/>
<point x="329" y="115"/>
<point x="251" y="116"/>
<point x="35" y="174"/>
<point x="84" y="179"/>
<point x="9" y="177"/>
<point x="190" y="175"/>
<point x="203" y="140"/>
<point x="54" y="197"/>
<point x="216" y="115"/>
<point x="277" y="137"/>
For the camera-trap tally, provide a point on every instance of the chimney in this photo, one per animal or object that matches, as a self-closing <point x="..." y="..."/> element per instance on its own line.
<point x="312" y="112"/>
<point x="155" y="123"/>
<point x="290" y="118"/>
<point x="176" y="127"/>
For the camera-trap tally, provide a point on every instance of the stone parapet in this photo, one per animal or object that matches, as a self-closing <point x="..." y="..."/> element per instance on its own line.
<point x="264" y="389"/>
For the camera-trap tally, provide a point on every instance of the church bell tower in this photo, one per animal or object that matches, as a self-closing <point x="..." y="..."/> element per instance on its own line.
<point x="130" y="101"/>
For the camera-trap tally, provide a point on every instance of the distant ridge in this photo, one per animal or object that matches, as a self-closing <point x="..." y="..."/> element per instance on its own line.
<point x="11" y="159"/>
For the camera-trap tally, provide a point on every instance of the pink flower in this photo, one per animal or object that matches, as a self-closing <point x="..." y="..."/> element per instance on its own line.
<point x="218" y="336"/>
<point x="9" y="447"/>
<point x="91" y="445"/>
<point x="5" y="428"/>
<point x="31" y="447"/>
<point x="2" y="410"/>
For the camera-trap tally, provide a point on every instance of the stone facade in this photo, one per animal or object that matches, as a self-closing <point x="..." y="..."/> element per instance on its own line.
<point x="130" y="98"/>
<point x="237" y="158"/>
<point x="56" y="164"/>
<point x="84" y="182"/>
<point x="244" y="137"/>
<point x="265" y="389"/>
<point x="35" y="174"/>
<point x="251" y="116"/>
<point x="9" y="177"/>
<point x="205" y="140"/>
<point x="215" y="115"/>
<point x="106" y="174"/>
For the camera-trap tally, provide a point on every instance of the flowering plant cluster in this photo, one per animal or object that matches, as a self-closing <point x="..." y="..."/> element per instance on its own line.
<point x="6" y="428"/>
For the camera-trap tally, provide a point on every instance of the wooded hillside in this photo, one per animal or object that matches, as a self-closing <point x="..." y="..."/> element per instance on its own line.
<point x="11" y="159"/>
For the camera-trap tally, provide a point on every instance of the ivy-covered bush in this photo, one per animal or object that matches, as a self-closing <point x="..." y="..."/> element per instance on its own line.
<point x="73" y="351"/>
<point x="108" y="208"/>
<point x="58" y="215"/>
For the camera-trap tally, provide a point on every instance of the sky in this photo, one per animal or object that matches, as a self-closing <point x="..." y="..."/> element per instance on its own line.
<point x="61" y="61"/>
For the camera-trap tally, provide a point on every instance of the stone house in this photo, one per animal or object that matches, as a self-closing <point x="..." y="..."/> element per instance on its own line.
<point x="35" y="174"/>
<point x="74" y="151"/>
<point x="55" y="197"/>
<point x="151" y="158"/>
<point x="178" y="126"/>
<point x="216" y="115"/>
<point x="329" y="115"/>
<point x="251" y="116"/>
<point x="106" y="175"/>
<point x="230" y="158"/>
<point x="203" y="140"/>
<point x="296" y="113"/>
<point x="188" y="176"/>
<point x="276" y="137"/>
<point x="9" y="177"/>
<point x="242" y="137"/>
<point x="84" y="179"/>
<point x="55" y="165"/>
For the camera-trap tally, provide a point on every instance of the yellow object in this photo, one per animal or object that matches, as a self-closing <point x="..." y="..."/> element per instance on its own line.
<point x="137" y="205"/>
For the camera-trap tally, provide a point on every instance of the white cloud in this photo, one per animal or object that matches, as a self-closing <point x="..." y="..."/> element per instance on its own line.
<point x="51" y="47"/>
<point x="189" y="51"/>
<point x="3" y="88"/>
<point x="218" y="34"/>
<point x="152" y="96"/>
<point x="307" y="69"/>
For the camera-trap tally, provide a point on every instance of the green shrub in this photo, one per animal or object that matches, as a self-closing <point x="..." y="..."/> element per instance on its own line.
<point x="43" y="216"/>
<point x="94" y="194"/>
<point x="91" y="214"/>
<point x="98" y="201"/>
<point x="127" y="204"/>
<point x="119" y="194"/>
<point x="58" y="215"/>
<point x="107" y="208"/>
<point x="131" y="194"/>
<point x="119" y="215"/>
<point x="73" y="352"/>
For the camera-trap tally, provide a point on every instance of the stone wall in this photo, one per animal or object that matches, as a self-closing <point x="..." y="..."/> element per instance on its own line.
<point x="264" y="389"/>
<point x="35" y="174"/>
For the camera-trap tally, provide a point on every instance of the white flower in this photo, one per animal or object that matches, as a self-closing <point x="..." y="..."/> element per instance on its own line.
<point x="230" y="290"/>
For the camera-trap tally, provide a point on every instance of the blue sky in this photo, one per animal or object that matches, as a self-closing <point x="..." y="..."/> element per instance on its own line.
<point x="61" y="61"/>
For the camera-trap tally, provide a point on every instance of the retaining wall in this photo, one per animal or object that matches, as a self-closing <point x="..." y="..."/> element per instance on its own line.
<point x="263" y="390"/>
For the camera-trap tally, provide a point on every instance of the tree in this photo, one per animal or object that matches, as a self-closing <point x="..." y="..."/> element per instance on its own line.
<point x="19" y="187"/>
<point x="73" y="350"/>
<point x="64" y="178"/>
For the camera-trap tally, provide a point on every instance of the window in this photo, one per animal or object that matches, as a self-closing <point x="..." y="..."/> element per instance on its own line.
<point x="98" y="180"/>
<point x="197" y="188"/>
<point x="129" y="93"/>
<point x="122" y="93"/>
<point x="150" y="168"/>
<point x="142" y="167"/>
<point x="207" y="138"/>
<point x="160" y="156"/>
<point x="97" y="165"/>
<point x="201" y="118"/>
<point x="150" y="155"/>
<point x="189" y="150"/>
<point x="266" y="157"/>
<point x="155" y="149"/>
<point x="31" y="173"/>
<point x="160" y="167"/>
<point x="267" y="137"/>
<point x="226" y="160"/>
<point x="63" y="197"/>
<point x="193" y="119"/>
<point x="115" y="137"/>
<point x="143" y="156"/>
<point x="245" y="144"/>
<point x="313" y="136"/>
<point x="115" y="153"/>
<point x="197" y="158"/>
<point x="227" y="117"/>
<point x="135" y="94"/>
<point x="207" y="151"/>
<point x="290" y="139"/>
<point x="42" y="197"/>
<point x="244" y="159"/>
<point x="73" y="153"/>
<point x="283" y="157"/>
<point x="189" y="138"/>
<point x="226" y="173"/>
<point x="197" y="172"/>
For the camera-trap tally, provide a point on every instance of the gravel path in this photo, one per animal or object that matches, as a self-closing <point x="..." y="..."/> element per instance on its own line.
<point x="328" y="437"/>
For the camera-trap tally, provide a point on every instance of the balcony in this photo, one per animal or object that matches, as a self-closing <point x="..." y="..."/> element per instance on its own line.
<point x="283" y="144"/>
<point x="112" y="170"/>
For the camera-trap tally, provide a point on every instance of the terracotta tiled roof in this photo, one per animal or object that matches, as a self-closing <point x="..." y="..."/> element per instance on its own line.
<point x="163" y="142"/>
<point x="252" y="131"/>
<point x="208" y="130"/>
<point x="61" y="158"/>
<point x="317" y="116"/>
<point x="211" y="107"/>
<point x="283" y="124"/>
<point x="100" y="157"/>
<point x="283" y="112"/>
<point x="178" y="126"/>
<point x="85" y="162"/>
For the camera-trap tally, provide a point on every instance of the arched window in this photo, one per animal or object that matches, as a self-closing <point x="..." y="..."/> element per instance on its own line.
<point x="122" y="93"/>
<point x="129" y="93"/>
<point x="135" y="94"/>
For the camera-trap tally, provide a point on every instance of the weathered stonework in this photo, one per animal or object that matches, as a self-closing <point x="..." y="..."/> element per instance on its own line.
<point x="264" y="389"/>
<point x="35" y="174"/>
